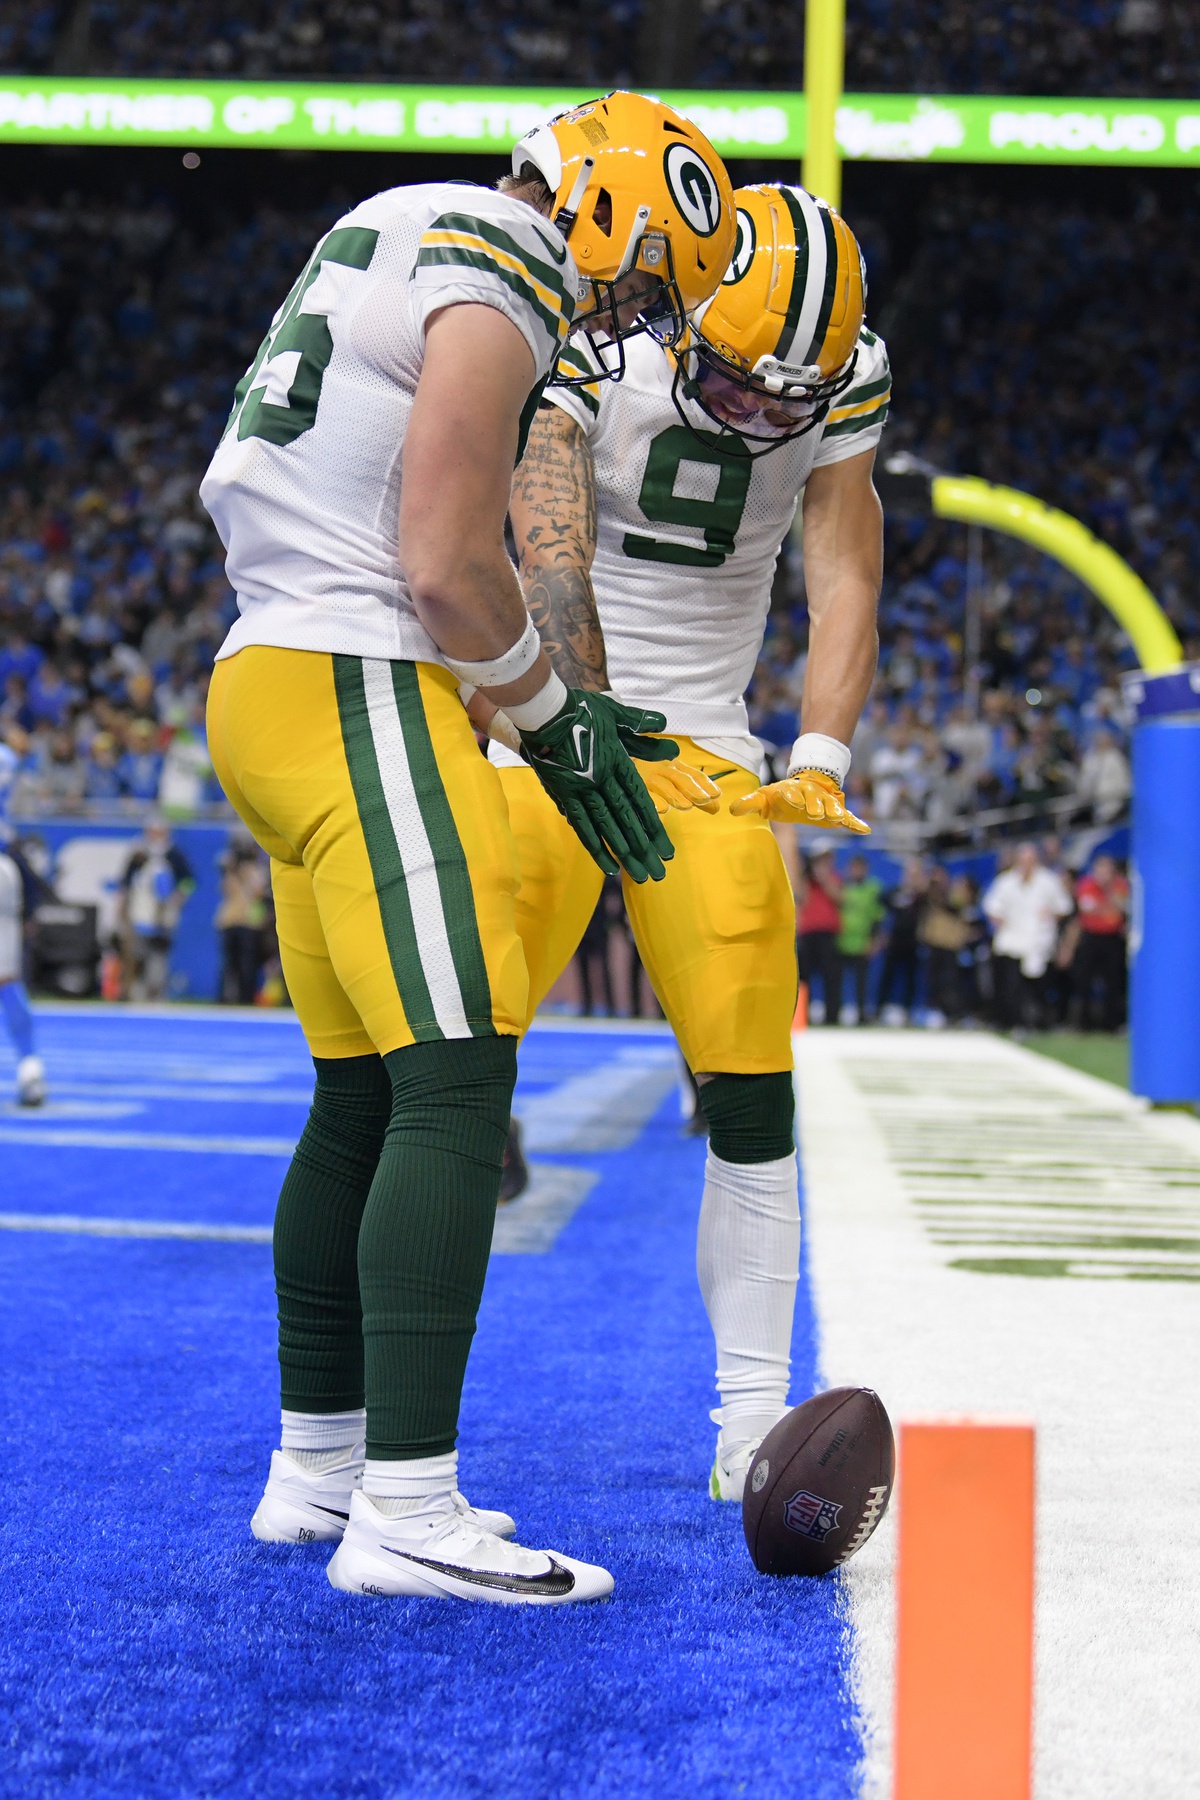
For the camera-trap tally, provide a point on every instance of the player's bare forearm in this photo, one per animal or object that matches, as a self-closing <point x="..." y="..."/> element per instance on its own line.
<point x="553" y="514"/>
<point x="843" y="568"/>
<point x="458" y="457"/>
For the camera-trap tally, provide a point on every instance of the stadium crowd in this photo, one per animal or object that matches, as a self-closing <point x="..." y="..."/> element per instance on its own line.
<point x="1086" y="47"/>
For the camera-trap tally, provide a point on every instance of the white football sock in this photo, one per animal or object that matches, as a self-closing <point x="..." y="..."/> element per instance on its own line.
<point x="416" y="1486"/>
<point x="320" y="1441"/>
<point x="748" y="1260"/>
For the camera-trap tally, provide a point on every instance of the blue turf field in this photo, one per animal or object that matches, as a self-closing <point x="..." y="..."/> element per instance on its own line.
<point x="151" y="1648"/>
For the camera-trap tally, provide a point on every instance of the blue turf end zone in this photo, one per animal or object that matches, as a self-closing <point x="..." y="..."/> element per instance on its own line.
<point x="151" y="1648"/>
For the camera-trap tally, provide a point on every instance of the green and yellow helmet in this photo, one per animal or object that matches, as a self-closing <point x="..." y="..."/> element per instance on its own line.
<point x="778" y="341"/>
<point x="638" y="190"/>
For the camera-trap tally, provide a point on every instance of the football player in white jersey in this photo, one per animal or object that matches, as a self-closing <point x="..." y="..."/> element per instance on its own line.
<point x="649" y="517"/>
<point x="360" y="489"/>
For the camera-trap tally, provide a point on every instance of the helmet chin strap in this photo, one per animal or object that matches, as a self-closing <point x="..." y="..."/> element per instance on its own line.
<point x="568" y="212"/>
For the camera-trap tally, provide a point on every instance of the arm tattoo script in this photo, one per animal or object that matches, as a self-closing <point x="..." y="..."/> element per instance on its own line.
<point x="553" y="512"/>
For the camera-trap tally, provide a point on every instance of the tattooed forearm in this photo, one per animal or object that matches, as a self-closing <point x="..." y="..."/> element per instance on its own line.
<point x="553" y="512"/>
<point x="563" y="607"/>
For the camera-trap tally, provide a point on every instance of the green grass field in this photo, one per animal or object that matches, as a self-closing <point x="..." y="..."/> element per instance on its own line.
<point x="1093" y="1052"/>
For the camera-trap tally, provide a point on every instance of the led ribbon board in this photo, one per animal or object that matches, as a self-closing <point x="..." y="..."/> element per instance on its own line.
<point x="286" y="115"/>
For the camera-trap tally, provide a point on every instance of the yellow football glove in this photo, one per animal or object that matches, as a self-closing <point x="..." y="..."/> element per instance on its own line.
<point x="809" y="797"/>
<point x="676" y="786"/>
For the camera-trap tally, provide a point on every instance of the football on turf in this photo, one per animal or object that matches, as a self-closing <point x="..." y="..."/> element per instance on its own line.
<point x="819" y="1483"/>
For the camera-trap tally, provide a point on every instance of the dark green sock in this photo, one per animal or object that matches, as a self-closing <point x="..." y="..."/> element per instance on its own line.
<point x="426" y="1236"/>
<point x="316" y="1235"/>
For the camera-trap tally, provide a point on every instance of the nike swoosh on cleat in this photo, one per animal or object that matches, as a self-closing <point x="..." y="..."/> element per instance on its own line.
<point x="331" y="1510"/>
<point x="556" y="1582"/>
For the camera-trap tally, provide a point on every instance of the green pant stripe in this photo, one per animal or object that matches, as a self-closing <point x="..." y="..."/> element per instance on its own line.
<point x="387" y="867"/>
<point x="453" y="878"/>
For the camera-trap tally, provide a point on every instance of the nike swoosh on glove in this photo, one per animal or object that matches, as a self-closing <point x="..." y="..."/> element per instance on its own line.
<point x="809" y="797"/>
<point x="582" y="757"/>
<point x="677" y="787"/>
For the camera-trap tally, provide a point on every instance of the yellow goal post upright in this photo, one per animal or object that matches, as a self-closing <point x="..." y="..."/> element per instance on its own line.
<point x="1164" y="693"/>
<point x="824" y="64"/>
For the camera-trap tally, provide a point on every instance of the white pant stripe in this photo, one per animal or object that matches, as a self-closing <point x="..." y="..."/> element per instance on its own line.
<point x="416" y="853"/>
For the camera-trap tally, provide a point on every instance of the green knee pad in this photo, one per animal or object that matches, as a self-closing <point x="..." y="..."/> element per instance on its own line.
<point x="751" y="1118"/>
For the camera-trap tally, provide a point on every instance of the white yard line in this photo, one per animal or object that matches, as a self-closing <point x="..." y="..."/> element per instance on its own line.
<point x="926" y="1151"/>
<point x="528" y="1226"/>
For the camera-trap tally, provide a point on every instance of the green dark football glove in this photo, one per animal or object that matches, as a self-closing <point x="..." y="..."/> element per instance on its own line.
<point x="582" y="758"/>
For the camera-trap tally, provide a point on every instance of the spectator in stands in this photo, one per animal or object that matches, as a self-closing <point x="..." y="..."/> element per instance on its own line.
<point x="818" y="922"/>
<point x="154" y="884"/>
<point x="1105" y="780"/>
<point x="102" y="777"/>
<point x="241" y="919"/>
<point x="860" y="909"/>
<point x="1025" y="905"/>
<point x="1102" y="901"/>
<point x="902" y="956"/>
<point x="140" y="769"/>
<point x="59" y="783"/>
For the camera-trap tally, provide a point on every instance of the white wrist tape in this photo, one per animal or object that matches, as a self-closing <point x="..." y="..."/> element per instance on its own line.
<point x="501" y="669"/>
<point x="813" y="750"/>
<point x="501" y="730"/>
<point x="545" y="703"/>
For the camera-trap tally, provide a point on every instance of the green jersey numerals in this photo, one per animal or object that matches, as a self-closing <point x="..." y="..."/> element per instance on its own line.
<point x="717" y="518"/>
<point x="302" y="336"/>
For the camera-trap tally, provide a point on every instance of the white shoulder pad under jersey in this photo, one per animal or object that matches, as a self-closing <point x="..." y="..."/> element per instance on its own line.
<point x="304" y="487"/>
<point x="688" y="536"/>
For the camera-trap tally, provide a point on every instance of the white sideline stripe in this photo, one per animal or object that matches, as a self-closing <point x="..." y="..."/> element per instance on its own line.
<point x="67" y="1138"/>
<point x="69" y="1225"/>
<point x="1107" y="1367"/>
<point x="416" y="852"/>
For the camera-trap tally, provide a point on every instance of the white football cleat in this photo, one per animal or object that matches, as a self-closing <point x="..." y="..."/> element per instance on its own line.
<point x="443" y="1554"/>
<point x="299" y="1507"/>
<point x="31" y="1081"/>
<point x="730" y="1468"/>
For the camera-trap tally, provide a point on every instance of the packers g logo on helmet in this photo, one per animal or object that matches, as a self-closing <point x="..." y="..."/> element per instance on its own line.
<point x="743" y="249"/>
<point x="637" y="189"/>
<point x="692" y="186"/>
<point x="778" y="341"/>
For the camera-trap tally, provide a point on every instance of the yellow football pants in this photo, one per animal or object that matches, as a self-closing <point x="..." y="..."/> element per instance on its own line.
<point x="393" y="867"/>
<point x="717" y="936"/>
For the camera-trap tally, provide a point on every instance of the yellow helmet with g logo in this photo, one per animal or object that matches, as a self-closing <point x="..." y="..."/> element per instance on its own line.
<point x="637" y="188"/>
<point x="778" y="341"/>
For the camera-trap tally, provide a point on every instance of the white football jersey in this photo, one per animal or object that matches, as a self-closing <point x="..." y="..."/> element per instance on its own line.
<point x="304" y="487"/>
<point x="688" y="538"/>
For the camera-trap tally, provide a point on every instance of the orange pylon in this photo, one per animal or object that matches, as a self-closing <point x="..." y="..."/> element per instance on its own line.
<point x="964" y="1666"/>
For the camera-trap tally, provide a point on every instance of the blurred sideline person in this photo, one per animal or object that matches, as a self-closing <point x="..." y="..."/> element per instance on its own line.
<point x="1099" y="971"/>
<point x="818" y="922"/>
<point x="155" y="882"/>
<point x="648" y="518"/>
<point x="860" y="910"/>
<point x="361" y="489"/>
<point x="902" y="954"/>
<point x="241" y="919"/>
<point x="14" y="1001"/>
<point x="1026" y="904"/>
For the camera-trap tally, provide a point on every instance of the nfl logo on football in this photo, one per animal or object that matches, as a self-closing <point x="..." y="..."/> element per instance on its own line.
<point x="811" y="1516"/>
